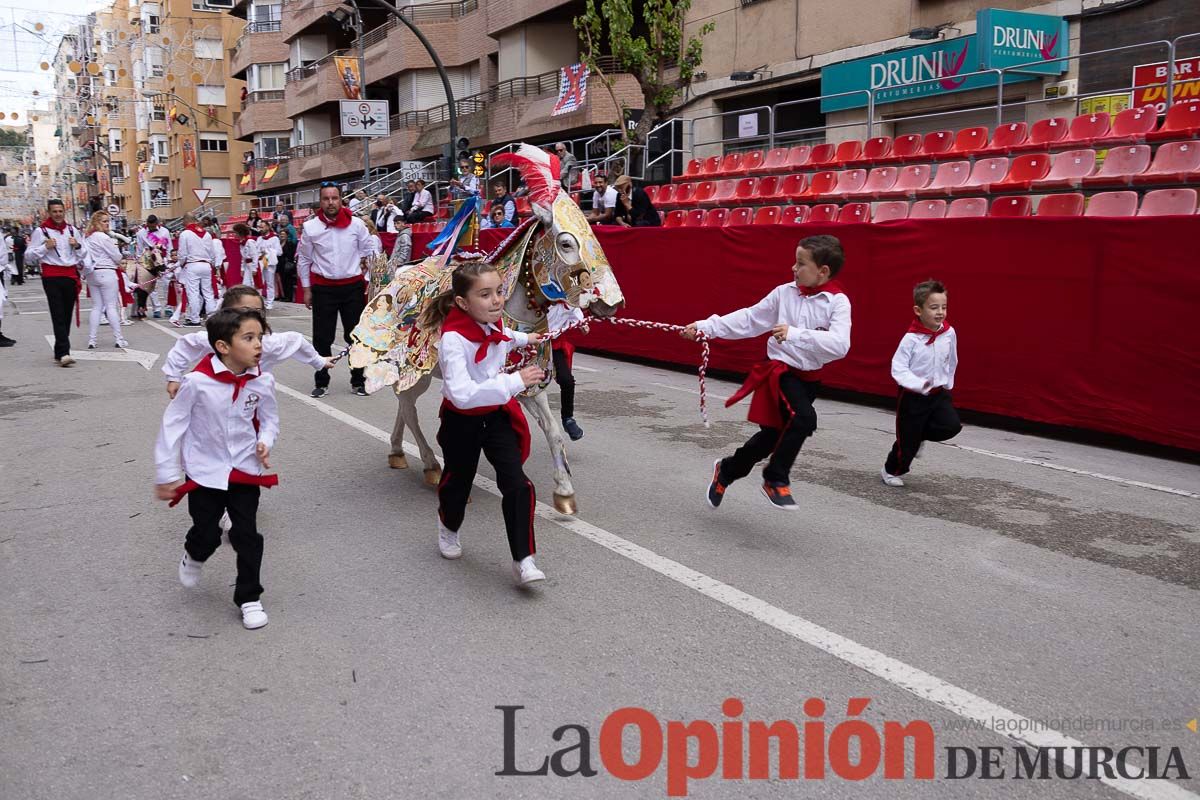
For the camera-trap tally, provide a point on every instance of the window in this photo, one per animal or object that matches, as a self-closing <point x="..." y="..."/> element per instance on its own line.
<point x="214" y="142"/>
<point x="267" y="77"/>
<point x="117" y="170"/>
<point x="114" y="140"/>
<point x="209" y="48"/>
<point x="266" y="12"/>
<point x="154" y="62"/>
<point x="110" y="76"/>
<point x="151" y="17"/>
<point x="158" y="145"/>
<point x="210" y="95"/>
<point x="218" y="187"/>
<point x="272" y="145"/>
<point x="158" y="114"/>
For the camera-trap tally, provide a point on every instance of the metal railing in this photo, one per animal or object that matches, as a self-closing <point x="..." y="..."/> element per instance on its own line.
<point x="426" y="12"/>
<point x="264" y="26"/>
<point x="308" y="70"/>
<point x="264" y="96"/>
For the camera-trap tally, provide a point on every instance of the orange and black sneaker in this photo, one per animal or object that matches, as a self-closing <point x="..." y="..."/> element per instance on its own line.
<point x="780" y="495"/>
<point x="716" y="489"/>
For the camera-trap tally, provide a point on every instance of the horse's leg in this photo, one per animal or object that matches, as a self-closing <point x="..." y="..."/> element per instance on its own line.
<point x="547" y="420"/>
<point x="397" y="459"/>
<point x="408" y="408"/>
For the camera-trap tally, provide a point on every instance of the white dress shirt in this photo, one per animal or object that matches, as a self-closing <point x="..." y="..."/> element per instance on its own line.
<point x="376" y="244"/>
<point x="333" y="253"/>
<point x="206" y="433"/>
<point x="468" y="384"/>
<point x="560" y="315"/>
<point x="54" y="247"/>
<point x="218" y="250"/>
<point x="276" y="348"/>
<point x="271" y="248"/>
<point x="423" y="201"/>
<point x="920" y="367"/>
<point x="194" y="249"/>
<point x="603" y="202"/>
<point x="818" y="326"/>
<point x="103" y="251"/>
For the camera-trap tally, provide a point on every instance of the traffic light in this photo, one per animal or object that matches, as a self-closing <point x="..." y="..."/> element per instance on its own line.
<point x="462" y="148"/>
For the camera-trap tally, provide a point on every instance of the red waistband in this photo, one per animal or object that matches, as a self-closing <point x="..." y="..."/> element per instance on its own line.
<point x="235" y="476"/>
<point x="478" y="411"/>
<point x="321" y="280"/>
<point x="59" y="271"/>
<point x="934" y="390"/>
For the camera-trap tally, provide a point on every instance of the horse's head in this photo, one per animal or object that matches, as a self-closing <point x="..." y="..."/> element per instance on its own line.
<point x="568" y="263"/>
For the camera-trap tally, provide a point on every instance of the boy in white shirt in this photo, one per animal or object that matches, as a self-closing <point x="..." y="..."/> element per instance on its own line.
<point x="217" y="434"/>
<point x="923" y="366"/>
<point x="809" y="323"/>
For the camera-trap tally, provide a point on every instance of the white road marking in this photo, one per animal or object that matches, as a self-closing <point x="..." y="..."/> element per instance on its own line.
<point x="123" y="354"/>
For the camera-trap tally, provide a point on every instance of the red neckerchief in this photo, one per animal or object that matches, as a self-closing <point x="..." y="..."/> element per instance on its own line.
<point x="205" y="367"/>
<point x="342" y="220"/>
<point x="833" y="287"/>
<point x="460" y="322"/>
<point x="196" y="229"/>
<point x="49" y="223"/>
<point x="916" y="327"/>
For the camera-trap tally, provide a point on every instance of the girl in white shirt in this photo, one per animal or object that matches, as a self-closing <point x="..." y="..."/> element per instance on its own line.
<point x="480" y="412"/>
<point x="376" y="245"/>
<point x="249" y="249"/>
<point x="269" y="246"/>
<point x="103" y="278"/>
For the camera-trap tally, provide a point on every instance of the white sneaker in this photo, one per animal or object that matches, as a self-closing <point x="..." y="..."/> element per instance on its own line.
<point x="91" y="344"/>
<point x="526" y="572"/>
<point x="189" y="571"/>
<point x="126" y="322"/>
<point x="448" y="543"/>
<point x="920" y="449"/>
<point x="253" y="615"/>
<point x="890" y="480"/>
<point x="66" y="361"/>
<point x="121" y="345"/>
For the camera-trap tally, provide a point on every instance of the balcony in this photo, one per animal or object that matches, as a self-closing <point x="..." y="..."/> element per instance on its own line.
<point x="260" y="43"/>
<point x="299" y="15"/>
<point x="263" y="111"/>
<point x="505" y="14"/>
<point x="314" y="85"/>
<point x="454" y="29"/>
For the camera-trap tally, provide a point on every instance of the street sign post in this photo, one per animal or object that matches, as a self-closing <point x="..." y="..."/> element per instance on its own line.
<point x="114" y="210"/>
<point x="365" y="118"/>
<point x="201" y="195"/>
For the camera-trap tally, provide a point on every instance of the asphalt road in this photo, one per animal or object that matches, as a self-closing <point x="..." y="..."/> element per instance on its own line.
<point x="991" y="594"/>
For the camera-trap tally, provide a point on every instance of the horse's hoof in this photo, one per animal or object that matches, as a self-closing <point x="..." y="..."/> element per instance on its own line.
<point x="433" y="476"/>
<point x="398" y="462"/>
<point x="565" y="503"/>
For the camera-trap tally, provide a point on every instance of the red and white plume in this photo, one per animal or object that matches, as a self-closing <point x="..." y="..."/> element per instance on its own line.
<point x="539" y="169"/>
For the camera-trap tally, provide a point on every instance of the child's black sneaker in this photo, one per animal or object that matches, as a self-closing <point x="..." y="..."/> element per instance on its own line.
<point x="716" y="489"/>
<point x="780" y="495"/>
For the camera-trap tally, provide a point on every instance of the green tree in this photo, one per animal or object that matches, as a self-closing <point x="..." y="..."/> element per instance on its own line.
<point x="654" y="53"/>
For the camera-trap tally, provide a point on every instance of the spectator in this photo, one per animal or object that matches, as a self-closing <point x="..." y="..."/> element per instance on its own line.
<point x="467" y="182"/>
<point x="422" y="207"/>
<point x="604" y="202"/>
<point x="19" y="245"/>
<point x="502" y="199"/>
<point x="357" y="202"/>
<point x="567" y="165"/>
<point x="287" y="262"/>
<point x="282" y="215"/>
<point x="495" y="219"/>
<point x="406" y="200"/>
<point x="634" y="207"/>
<point x="384" y="214"/>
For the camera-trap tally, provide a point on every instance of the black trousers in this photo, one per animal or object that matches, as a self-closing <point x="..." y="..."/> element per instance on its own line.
<point x="566" y="384"/>
<point x="920" y="418"/>
<point x="287" y="272"/>
<point x="204" y="537"/>
<point x="142" y="297"/>
<point x="60" y="296"/>
<point x="328" y="304"/>
<point x="781" y="446"/>
<point x="19" y="258"/>
<point x="417" y="216"/>
<point x="462" y="438"/>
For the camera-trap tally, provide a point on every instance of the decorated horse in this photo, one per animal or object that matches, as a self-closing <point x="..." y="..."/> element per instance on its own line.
<point x="553" y="257"/>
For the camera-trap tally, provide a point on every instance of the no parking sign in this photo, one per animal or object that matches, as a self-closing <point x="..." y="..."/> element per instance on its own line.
<point x="365" y="118"/>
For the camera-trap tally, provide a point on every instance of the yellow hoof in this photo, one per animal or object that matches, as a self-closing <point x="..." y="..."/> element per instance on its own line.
<point x="433" y="476"/>
<point x="565" y="503"/>
<point x="398" y="462"/>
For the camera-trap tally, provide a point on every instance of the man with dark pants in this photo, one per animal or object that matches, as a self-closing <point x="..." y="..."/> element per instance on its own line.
<point x="57" y="245"/>
<point x="19" y="245"/>
<point x="330" y="264"/>
<point x="287" y="262"/>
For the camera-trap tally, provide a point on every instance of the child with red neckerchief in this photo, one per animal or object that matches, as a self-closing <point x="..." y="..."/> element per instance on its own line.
<point x="809" y="323"/>
<point x="480" y="412"/>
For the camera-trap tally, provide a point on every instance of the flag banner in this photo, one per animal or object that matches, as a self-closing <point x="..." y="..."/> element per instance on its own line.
<point x="572" y="89"/>
<point x="189" y="153"/>
<point x="347" y="68"/>
<point x="268" y="173"/>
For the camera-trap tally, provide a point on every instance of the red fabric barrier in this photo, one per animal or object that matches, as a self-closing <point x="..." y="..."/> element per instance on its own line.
<point x="233" y="262"/>
<point x="1078" y="322"/>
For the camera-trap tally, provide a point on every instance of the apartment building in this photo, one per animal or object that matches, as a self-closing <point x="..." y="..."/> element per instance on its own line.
<point x="19" y="180"/>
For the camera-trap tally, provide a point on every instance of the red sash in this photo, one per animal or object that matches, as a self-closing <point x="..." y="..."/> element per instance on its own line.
<point x="321" y="280"/>
<point x="235" y="476"/>
<point x="763" y="382"/>
<point x="516" y="418"/>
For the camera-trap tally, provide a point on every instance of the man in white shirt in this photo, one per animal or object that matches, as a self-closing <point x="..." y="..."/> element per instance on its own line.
<point x="331" y="267"/>
<point x="149" y="237"/>
<point x="604" y="202"/>
<point x="196" y="260"/>
<point x="56" y="243"/>
<point x="422" y="205"/>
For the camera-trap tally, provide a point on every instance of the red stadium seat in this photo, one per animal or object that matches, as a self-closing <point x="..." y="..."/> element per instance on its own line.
<point x="740" y="216"/>
<point x="927" y="209"/>
<point x="1061" y="205"/>
<point x="985" y="172"/>
<point x="880" y="179"/>
<point x="793" y="215"/>
<point x="765" y="190"/>
<point x="730" y="164"/>
<point x="1086" y="128"/>
<point x="716" y="218"/>
<point x="687" y="195"/>
<point x="690" y="172"/>
<point x="1044" y="134"/>
<point x="751" y="162"/>
<point x="1182" y="122"/>
<point x="675" y="219"/>
<point x="821" y="183"/>
<point x="695" y="218"/>
<point x="1121" y="165"/>
<point x="709" y="166"/>
<point x="1131" y="126"/>
<point x="1005" y="138"/>
<point x="825" y="212"/>
<point x="1172" y="163"/>
<point x="937" y="143"/>
<point x="722" y="195"/>
<point x="1069" y="170"/>
<point x="775" y="161"/>
<point x="969" y="141"/>
<point x="823" y="155"/>
<point x="1024" y="171"/>
<point x="950" y="175"/>
<point x="744" y="191"/>
<point x="666" y="196"/>
<point x="1112" y="204"/>
<point x="1021" y="206"/>
<point x="792" y="187"/>
<point x="874" y="150"/>
<point x="967" y="207"/>
<point x="847" y="151"/>
<point x="891" y="210"/>
<point x="1168" y="202"/>
<point x="855" y="212"/>
<point x="767" y="215"/>
<point x="799" y="157"/>
<point x="850" y="181"/>
<point x="911" y="179"/>
<point x="651" y="192"/>
<point x="905" y="148"/>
